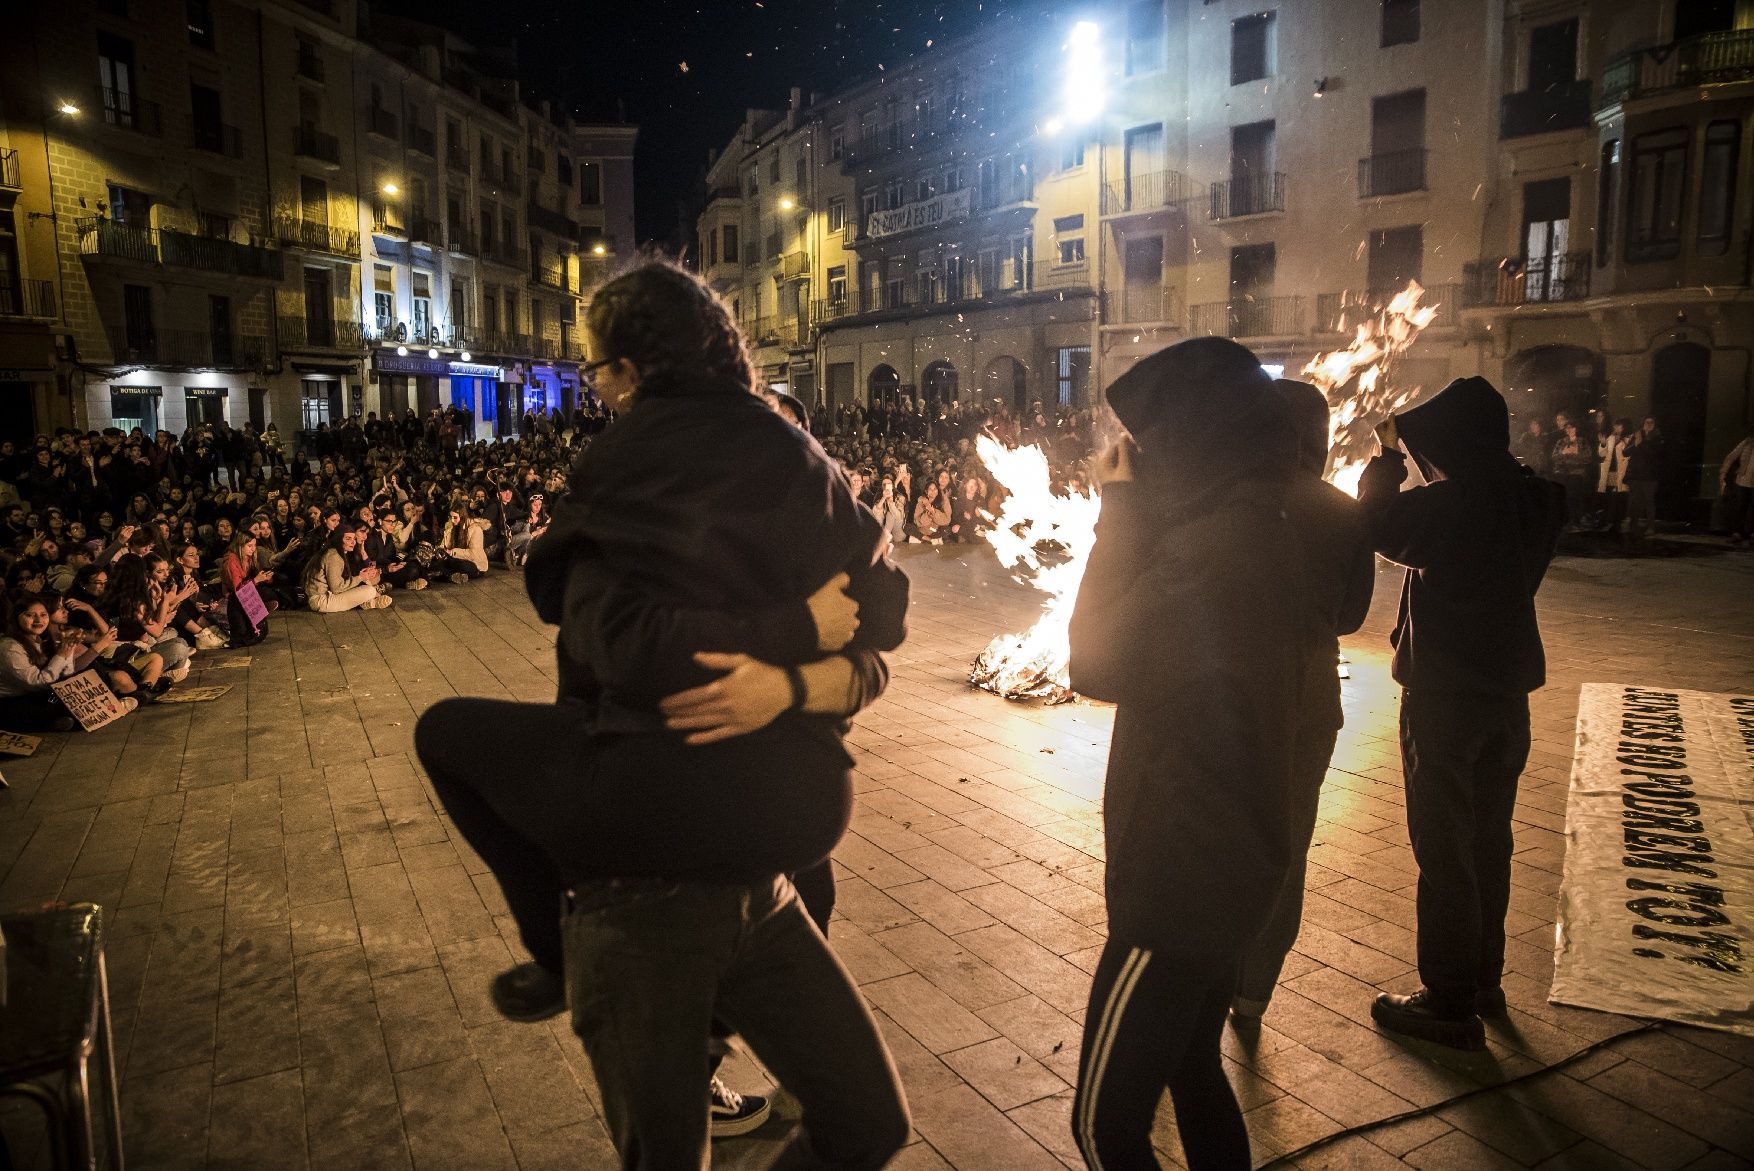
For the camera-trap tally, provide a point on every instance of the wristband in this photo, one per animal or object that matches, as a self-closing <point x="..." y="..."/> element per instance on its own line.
<point x="795" y="678"/>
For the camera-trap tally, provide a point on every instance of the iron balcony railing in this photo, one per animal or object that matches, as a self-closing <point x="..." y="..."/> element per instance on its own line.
<point x="1701" y="60"/>
<point x="196" y="348"/>
<point x="1142" y="305"/>
<point x="1391" y="173"/>
<point x="222" y="256"/>
<point x="462" y="241"/>
<point x="422" y="230"/>
<point x="9" y="175"/>
<point x="1524" y="280"/>
<point x="1248" y="317"/>
<point x="554" y="277"/>
<point x="130" y="111"/>
<point x="388" y="222"/>
<point x="512" y="254"/>
<point x="1043" y="277"/>
<point x="553" y="222"/>
<point x="382" y="121"/>
<point x="310" y="63"/>
<point x="794" y="266"/>
<point x="337" y="332"/>
<point x="1558" y="107"/>
<point x="219" y="140"/>
<point x="1248" y="195"/>
<point x="27" y="298"/>
<point x="1344" y="312"/>
<point x="312" y="143"/>
<point x="456" y="158"/>
<point x="511" y="345"/>
<point x="421" y="139"/>
<point x="1150" y="191"/>
<point x="120" y="241"/>
<point x="298" y="232"/>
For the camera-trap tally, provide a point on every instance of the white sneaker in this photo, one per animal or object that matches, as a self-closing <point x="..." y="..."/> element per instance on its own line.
<point x="129" y="703"/>
<point x="732" y="1113"/>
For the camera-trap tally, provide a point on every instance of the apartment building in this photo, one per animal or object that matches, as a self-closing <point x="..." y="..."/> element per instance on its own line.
<point x="277" y="211"/>
<point x="1567" y="180"/>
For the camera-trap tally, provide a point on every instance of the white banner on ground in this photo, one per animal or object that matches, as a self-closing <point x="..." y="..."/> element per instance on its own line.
<point x="1656" y="913"/>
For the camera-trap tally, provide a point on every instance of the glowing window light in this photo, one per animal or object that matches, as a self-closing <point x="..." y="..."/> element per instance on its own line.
<point x="1083" y="97"/>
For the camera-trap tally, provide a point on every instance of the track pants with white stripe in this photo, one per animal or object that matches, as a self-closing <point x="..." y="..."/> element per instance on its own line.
<point x="1154" y="1023"/>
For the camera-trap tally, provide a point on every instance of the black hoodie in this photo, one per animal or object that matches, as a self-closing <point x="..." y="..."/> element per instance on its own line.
<point x="1476" y="539"/>
<point x="1193" y="618"/>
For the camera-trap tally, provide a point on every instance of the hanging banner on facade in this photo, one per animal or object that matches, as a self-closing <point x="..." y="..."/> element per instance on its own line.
<point x="952" y="205"/>
<point x="1656" y="911"/>
<point x="88" y="699"/>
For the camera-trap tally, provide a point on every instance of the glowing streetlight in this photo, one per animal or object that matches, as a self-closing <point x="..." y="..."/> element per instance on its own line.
<point x="401" y="351"/>
<point x="1052" y="127"/>
<point x="464" y="356"/>
<point x="69" y="109"/>
<point x="787" y="203"/>
<point x="599" y="250"/>
<point x="1083" y="96"/>
<point x="390" y="189"/>
<point x="432" y="353"/>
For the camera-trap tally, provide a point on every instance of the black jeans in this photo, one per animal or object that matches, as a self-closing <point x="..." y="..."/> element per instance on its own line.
<point x="1461" y="756"/>
<point x="1154" y="1023"/>
<point x="650" y="962"/>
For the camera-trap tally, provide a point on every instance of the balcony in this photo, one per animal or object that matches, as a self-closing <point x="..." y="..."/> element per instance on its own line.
<point x="311" y="143"/>
<point x="1248" y="195"/>
<point x="421" y="140"/>
<point x="1249" y="317"/>
<point x="456" y="158"/>
<point x="339" y="332"/>
<point x="424" y="231"/>
<point x="310" y="63"/>
<point x="388" y="222"/>
<point x="1526" y="280"/>
<point x="552" y="222"/>
<point x="795" y="266"/>
<point x="28" y="299"/>
<point x="462" y="241"/>
<point x="1392" y="173"/>
<point x="1344" y="312"/>
<point x="1558" y="107"/>
<point x="554" y="276"/>
<point x="9" y="175"/>
<point x="117" y="241"/>
<point x="1141" y="305"/>
<point x="510" y="254"/>
<point x="191" y="348"/>
<point x="382" y="122"/>
<point x="1043" y="279"/>
<point x="219" y="140"/>
<point x="1151" y="191"/>
<point x="297" y="232"/>
<point x="130" y="111"/>
<point x="222" y="256"/>
<point x="1701" y="60"/>
<point x="508" y="345"/>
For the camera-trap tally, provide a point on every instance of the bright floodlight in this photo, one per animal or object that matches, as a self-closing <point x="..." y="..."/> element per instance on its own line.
<point x="787" y="203"/>
<point x="1083" y="96"/>
<point x="433" y="353"/>
<point x="401" y="351"/>
<point x="1052" y="127"/>
<point x="598" y="250"/>
<point x="69" y="109"/>
<point x="464" y="355"/>
<point x="391" y="189"/>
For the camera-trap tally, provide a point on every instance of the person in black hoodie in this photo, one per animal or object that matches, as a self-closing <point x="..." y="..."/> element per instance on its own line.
<point x="1476" y="539"/>
<point x="1194" y="618"/>
<point x="1339" y="577"/>
<point x="699" y="532"/>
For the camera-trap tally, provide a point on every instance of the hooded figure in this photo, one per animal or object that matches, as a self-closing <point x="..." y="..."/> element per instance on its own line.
<point x="1476" y="540"/>
<point x="1193" y="618"/>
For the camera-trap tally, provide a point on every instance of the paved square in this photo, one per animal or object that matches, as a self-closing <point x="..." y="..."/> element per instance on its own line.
<point x="299" y="945"/>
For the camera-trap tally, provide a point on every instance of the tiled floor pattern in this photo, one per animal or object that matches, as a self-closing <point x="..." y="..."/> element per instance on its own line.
<point x="299" y="946"/>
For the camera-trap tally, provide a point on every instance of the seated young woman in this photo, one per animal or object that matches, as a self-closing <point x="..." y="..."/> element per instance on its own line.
<point x="34" y="656"/>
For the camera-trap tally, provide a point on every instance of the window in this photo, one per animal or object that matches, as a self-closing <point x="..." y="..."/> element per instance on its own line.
<point x="867" y="208"/>
<point x="490" y="308"/>
<point x="1144" y="37"/>
<point x="733" y="252"/>
<point x="199" y="14"/>
<point x="952" y="178"/>
<point x="1654" y="195"/>
<point x="1072" y="376"/>
<point x="1069" y="238"/>
<point x="773" y="170"/>
<point x="115" y="71"/>
<point x="137" y="319"/>
<point x="1552" y="55"/>
<point x="208" y="128"/>
<point x="1400" y="22"/>
<point x="986" y="270"/>
<point x="1022" y="262"/>
<point x="135" y="406"/>
<point x="422" y="305"/>
<point x="313" y="397"/>
<point x="508" y="229"/>
<point x="925" y="188"/>
<point x="1071" y="154"/>
<point x="800" y="177"/>
<point x="1717" y="186"/>
<point x="458" y="308"/>
<point x="384" y="296"/>
<point x="752" y="181"/>
<point x="563" y="170"/>
<point x="454" y="141"/>
<point x="538" y="162"/>
<point x="488" y="220"/>
<point x="837" y="284"/>
<point x="837" y="141"/>
<point x="590" y="183"/>
<point x="1251" y="48"/>
<point x="1396" y="257"/>
<point x="894" y="195"/>
<point x="1607" y="199"/>
<point x="1546" y="239"/>
<point x="219" y="328"/>
<point x="214" y="225"/>
<point x="131" y="207"/>
<point x="484" y="151"/>
<point x="986" y="184"/>
<point x="837" y="214"/>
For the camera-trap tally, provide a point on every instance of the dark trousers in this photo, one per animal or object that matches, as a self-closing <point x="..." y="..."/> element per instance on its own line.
<point x="34" y="711"/>
<point x="649" y="963"/>
<point x="1461" y="756"/>
<point x="1154" y="1023"/>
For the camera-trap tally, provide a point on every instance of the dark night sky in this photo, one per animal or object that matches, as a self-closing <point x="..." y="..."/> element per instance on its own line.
<point x="739" y="53"/>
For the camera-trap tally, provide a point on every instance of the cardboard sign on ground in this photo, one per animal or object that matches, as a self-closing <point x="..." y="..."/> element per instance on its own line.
<point x="1656" y="910"/>
<point x="18" y="744"/>
<point x="194" y="694"/>
<point x="89" y="700"/>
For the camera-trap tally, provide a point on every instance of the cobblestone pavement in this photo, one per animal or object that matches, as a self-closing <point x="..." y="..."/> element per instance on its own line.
<point x="299" y="945"/>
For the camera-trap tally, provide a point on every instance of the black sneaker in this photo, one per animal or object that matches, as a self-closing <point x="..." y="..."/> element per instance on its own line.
<point x="732" y="1113"/>
<point x="528" y="992"/>
<point x="1490" y="1001"/>
<point x="1419" y="1016"/>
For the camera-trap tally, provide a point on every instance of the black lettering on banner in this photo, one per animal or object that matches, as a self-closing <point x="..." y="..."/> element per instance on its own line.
<point x="1676" y="913"/>
<point x="1657" y="785"/>
<point x="1637" y="819"/>
<point x="1673" y="863"/>
<point x="1719" y="952"/>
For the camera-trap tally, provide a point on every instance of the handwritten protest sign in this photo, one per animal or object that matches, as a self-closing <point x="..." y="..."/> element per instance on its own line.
<point x="14" y="744"/>
<point x="194" y="694"/>
<point x="88" y="700"/>
<point x="255" y="609"/>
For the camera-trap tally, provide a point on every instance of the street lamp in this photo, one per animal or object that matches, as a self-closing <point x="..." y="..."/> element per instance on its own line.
<point x="390" y="189"/>
<point x="69" y="109"/>
<point x="1083" y="94"/>
<point x="464" y="356"/>
<point x="787" y="203"/>
<point x="599" y="250"/>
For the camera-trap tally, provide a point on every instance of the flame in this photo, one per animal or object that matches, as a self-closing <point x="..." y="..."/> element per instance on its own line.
<point x="1043" y="538"/>
<point x="1356" y="381"/>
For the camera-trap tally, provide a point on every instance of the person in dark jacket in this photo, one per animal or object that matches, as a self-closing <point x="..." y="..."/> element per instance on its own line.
<point x="1476" y="539"/>
<point x="1340" y="574"/>
<point x="699" y="536"/>
<point x="1193" y="617"/>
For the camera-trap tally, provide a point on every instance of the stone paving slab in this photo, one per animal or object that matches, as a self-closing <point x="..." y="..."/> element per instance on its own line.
<point x="299" y="944"/>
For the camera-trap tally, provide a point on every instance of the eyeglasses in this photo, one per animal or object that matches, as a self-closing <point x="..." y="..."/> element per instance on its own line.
<point x="593" y="367"/>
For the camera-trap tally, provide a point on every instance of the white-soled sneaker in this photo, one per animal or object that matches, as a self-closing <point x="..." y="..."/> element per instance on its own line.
<point x="733" y="1113"/>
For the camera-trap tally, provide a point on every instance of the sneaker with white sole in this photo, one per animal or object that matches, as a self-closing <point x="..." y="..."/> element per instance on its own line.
<point x="418" y="583"/>
<point x="732" y="1113"/>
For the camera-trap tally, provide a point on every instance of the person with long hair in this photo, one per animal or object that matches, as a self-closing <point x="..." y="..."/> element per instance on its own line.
<point x="695" y="757"/>
<point x="464" y="543"/>
<point x="237" y="567"/>
<point x="33" y="660"/>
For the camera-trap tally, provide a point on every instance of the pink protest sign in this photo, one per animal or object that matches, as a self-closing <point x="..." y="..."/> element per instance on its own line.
<point x="255" y="609"/>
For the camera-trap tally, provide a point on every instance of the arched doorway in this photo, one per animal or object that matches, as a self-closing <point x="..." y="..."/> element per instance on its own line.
<point x="1680" y="385"/>
<point x="1552" y="380"/>
<point x="938" y="386"/>
<point x="883" y="385"/>
<point x="1007" y="380"/>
